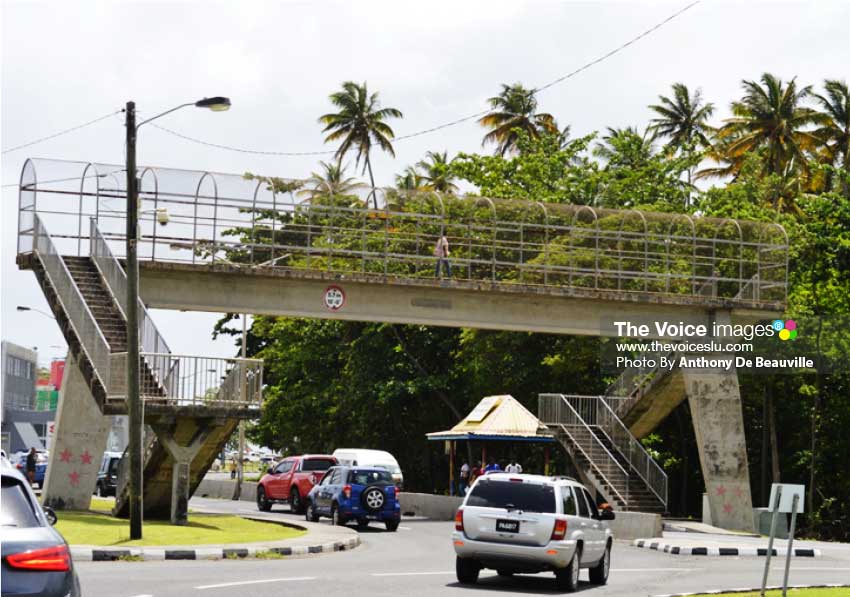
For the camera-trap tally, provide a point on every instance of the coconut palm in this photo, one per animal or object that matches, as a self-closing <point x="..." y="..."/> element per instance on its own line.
<point x="359" y="124"/>
<point x="626" y="147"/>
<point x="834" y="129"/>
<point x="514" y="108"/>
<point x="771" y="118"/>
<point x="330" y="182"/>
<point x="683" y="120"/>
<point x="435" y="173"/>
<point x="409" y="180"/>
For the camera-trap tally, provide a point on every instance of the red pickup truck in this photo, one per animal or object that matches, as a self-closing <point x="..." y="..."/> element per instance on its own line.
<point x="291" y="479"/>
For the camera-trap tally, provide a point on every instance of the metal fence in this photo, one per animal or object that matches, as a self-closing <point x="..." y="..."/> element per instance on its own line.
<point x="191" y="380"/>
<point x="225" y="218"/>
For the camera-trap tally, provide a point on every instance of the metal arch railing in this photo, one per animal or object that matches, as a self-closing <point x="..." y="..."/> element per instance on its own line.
<point x="88" y="332"/>
<point x="555" y="410"/>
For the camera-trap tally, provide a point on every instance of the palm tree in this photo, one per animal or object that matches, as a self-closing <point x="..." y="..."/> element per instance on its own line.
<point x="436" y="173"/>
<point x="409" y="180"/>
<point x="834" y="131"/>
<point x="515" y="108"/>
<point x="359" y="123"/>
<point x="683" y="119"/>
<point x="626" y="147"/>
<point x="770" y="118"/>
<point x="330" y="182"/>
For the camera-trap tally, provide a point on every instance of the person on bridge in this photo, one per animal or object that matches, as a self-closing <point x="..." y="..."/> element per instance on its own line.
<point x="441" y="252"/>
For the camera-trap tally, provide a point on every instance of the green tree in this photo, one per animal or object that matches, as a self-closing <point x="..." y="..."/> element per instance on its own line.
<point x="626" y="147"/>
<point x="771" y="119"/>
<point x="683" y="120"/>
<point x="330" y="182"/>
<point x="436" y="173"/>
<point x="409" y="180"/>
<point x="834" y="131"/>
<point x="360" y="123"/>
<point x="513" y="110"/>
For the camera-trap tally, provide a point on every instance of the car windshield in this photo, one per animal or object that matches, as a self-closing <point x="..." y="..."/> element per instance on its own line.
<point x="112" y="469"/>
<point x="17" y="509"/>
<point x="317" y="464"/>
<point x="512" y="495"/>
<point x="370" y="478"/>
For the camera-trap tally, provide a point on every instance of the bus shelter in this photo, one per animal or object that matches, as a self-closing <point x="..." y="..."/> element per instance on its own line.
<point x="494" y="419"/>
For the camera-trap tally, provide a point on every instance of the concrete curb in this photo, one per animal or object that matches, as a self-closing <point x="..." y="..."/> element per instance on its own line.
<point x="750" y="590"/>
<point x="721" y="551"/>
<point x="107" y="554"/>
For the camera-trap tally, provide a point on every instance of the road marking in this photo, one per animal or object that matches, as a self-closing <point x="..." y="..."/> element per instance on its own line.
<point x="255" y="582"/>
<point x="656" y="569"/>
<point x="405" y="529"/>
<point x="410" y="573"/>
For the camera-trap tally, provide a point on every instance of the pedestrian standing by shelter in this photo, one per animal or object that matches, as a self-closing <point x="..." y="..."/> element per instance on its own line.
<point x="513" y="467"/>
<point x="464" y="478"/>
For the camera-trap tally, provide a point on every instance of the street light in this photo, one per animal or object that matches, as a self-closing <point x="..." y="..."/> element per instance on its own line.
<point x="134" y="404"/>
<point x="25" y="308"/>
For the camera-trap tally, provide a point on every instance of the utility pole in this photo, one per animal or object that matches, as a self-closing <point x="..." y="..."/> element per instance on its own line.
<point x="237" y="494"/>
<point x="134" y="403"/>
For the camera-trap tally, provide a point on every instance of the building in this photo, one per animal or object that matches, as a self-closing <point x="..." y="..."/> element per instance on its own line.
<point x="22" y="425"/>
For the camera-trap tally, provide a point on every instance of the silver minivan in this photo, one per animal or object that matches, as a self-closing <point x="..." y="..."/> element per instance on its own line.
<point x="529" y="523"/>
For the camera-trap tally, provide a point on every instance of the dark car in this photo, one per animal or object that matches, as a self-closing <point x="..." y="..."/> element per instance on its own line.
<point x="355" y="493"/>
<point x="107" y="476"/>
<point x="36" y="558"/>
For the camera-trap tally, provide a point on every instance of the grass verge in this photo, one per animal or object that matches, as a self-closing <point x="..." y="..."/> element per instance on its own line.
<point x="91" y="528"/>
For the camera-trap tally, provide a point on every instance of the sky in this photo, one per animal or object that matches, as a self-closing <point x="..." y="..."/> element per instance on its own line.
<point x="65" y="63"/>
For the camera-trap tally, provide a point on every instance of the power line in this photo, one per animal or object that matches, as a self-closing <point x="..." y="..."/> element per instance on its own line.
<point x="552" y="83"/>
<point x="60" y="133"/>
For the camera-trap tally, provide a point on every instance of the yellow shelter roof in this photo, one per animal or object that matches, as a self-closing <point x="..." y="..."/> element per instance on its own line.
<point x="497" y="418"/>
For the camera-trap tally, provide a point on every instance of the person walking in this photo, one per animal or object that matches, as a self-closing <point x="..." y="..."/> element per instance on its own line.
<point x="232" y="468"/>
<point x="32" y="459"/>
<point x="441" y="252"/>
<point x="464" y="479"/>
<point x="513" y="467"/>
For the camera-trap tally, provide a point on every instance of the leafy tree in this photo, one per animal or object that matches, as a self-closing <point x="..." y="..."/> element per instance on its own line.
<point x="683" y="120"/>
<point x="513" y="110"/>
<point x="626" y="147"/>
<point x="436" y="173"/>
<point x="834" y="131"/>
<point x="330" y="182"/>
<point x="359" y="124"/>
<point x="409" y="180"/>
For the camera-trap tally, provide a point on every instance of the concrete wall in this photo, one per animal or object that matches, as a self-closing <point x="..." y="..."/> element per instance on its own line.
<point x="224" y="488"/>
<point x="435" y="507"/>
<point x="635" y="525"/>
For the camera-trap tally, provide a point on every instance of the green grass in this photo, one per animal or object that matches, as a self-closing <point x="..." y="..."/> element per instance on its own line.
<point x="836" y="592"/>
<point x="90" y="528"/>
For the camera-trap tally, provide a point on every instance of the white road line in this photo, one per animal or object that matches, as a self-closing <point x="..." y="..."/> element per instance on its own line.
<point x="656" y="569"/>
<point x="255" y="582"/>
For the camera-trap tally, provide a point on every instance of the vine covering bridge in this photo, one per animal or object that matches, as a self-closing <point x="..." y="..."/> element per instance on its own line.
<point x="269" y="246"/>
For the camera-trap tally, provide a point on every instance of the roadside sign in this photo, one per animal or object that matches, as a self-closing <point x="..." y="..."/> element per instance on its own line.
<point x="334" y="298"/>
<point x="786" y="500"/>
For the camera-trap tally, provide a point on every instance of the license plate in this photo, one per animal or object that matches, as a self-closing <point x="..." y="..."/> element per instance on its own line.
<point x="507" y="526"/>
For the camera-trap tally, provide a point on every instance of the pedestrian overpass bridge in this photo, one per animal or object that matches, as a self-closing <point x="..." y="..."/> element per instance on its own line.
<point x="259" y="245"/>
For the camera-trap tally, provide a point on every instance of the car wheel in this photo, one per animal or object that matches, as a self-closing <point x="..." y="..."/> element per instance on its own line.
<point x="505" y="573"/>
<point x="567" y="578"/>
<point x="336" y="518"/>
<point x="362" y="523"/>
<point x="263" y="505"/>
<point x="310" y="513"/>
<point x="295" y="503"/>
<point x="467" y="571"/>
<point x="392" y="525"/>
<point x="599" y="573"/>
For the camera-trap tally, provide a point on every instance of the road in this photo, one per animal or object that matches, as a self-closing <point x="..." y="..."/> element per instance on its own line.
<point x="418" y="560"/>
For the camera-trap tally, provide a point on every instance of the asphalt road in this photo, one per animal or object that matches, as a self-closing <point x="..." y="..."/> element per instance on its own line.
<point x="418" y="560"/>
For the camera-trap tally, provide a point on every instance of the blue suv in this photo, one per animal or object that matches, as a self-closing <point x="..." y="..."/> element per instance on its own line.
<point x="348" y="493"/>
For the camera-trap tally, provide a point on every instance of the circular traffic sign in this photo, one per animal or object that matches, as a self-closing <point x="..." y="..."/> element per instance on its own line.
<point x="334" y="298"/>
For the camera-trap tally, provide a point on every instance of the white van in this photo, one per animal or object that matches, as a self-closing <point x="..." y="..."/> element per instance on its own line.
<point x="376" y="458"/>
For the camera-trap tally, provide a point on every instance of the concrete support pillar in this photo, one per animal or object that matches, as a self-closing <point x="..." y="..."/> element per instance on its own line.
<point x="79" y="441"/>
<point x="182" y="457"/>
<point x="715" y="402"/>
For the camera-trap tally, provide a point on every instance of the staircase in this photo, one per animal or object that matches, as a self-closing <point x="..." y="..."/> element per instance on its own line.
<point x="606" y="456"/>
<point x="187" y="400"/>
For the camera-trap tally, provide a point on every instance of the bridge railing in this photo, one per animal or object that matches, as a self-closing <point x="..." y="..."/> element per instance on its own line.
<point x="193" y="381"/>
<point x="264" y="223"/>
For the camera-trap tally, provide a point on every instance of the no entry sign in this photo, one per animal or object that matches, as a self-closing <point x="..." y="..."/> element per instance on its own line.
<point x="334" y="298"/>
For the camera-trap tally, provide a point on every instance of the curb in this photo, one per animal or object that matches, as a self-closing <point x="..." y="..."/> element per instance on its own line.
<point x="721" y="551"/>
<point x="100" y="554"/>
<point x="751" y="590"/>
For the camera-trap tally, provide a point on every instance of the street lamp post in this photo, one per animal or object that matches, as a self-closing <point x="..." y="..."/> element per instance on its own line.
<point x="25" y="308"/>
<point x="134" y="403"/>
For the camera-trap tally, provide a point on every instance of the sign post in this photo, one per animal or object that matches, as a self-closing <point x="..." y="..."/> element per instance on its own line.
<point x="784" y="498"/>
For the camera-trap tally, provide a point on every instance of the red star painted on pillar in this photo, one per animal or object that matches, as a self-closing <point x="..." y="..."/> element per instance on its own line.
<point x="721" y="491"/>
<point x="727" y="507"/>
<point x="65" y="456"/>
<point x="86" y="457"/>
<point x="74" y="477"/>
<point x="739" y="493"/>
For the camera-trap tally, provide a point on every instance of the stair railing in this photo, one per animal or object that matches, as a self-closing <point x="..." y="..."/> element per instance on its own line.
<point x="555" y="410"/>
<point x="639" y="459"/>
<point x="91" y="338"/>
<point x="150" y="339"/>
